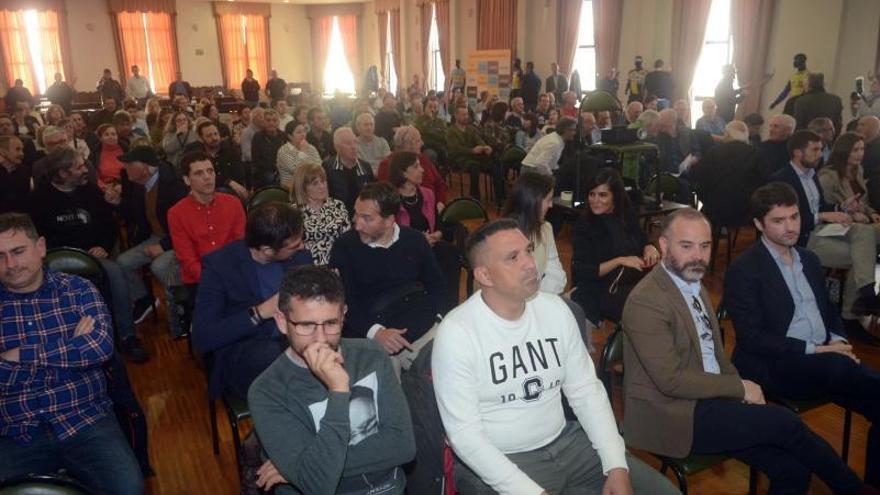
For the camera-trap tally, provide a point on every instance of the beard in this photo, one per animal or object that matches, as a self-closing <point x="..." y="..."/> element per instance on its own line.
<point x="692" y="271"/>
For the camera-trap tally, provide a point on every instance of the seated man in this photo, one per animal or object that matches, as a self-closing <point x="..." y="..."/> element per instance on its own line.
<point x="151" y="189"/>
<point x="329" y="411"/>
<point x="467" y="149"/>
<point x="500" y="364"/>
<point x="238" y="297"/>
<point x="856" y="250"/>
<point x="204" y="221"/>
<point x="409" y="138"/>
<point x="544" y="156"/>
<point x="264" y="151"/>
<point x="789" y="337"/>
<point x="15" y="175"/>
<point x="225" y="156"/>
<point x="318" y="136"/>
<point x="380" y="262"/>
<point x="433" y="131"/>
<point x="682" y="394"/>
<point x="54" y="335"/>
<point x="346" y="173"/>
<point x="774" y="150"/>
<point x="70" y="211"/>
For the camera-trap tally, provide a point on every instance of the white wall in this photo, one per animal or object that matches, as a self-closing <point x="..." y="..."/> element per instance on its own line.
<point x="197" y="33"/>
<point x="91" y="42"/>
<point x="291" y="42"/>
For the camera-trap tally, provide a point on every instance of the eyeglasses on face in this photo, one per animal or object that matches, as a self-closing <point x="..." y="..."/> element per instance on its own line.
<point x="308" y="328"/>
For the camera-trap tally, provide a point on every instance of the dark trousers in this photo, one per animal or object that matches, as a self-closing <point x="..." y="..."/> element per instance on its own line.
<point x="849" y="385"/>
<point x="483" y="164"/>
<point x="250" y="358"/>
<point x="449" y="260"/>
<point x="775" y="441"/>
<point x="98" y="456"/>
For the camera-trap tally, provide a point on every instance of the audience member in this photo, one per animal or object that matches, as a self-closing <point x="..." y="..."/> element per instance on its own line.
<point x="856" y="250"/>
<point x="105" y="156"/>
<point x="826" y="130"/>
<point x="380" y="262"/>
<point x="633" y="110"/>
<point x="635" y="81"/>
<point x="295" y="152"/>
<point x="370" y="148"/>
<point x="264" y="151"/>
<point x="241" y="122"/>
<point x="754" y="121"/>
<point x="123" y="124"/>
<point x="869" y="128"/>
<point x="432" y="129"/>
<point x="457" y="77"/>
<point x="774" y="150"/>
<point x="795" y="86"/>
<point x="726" y="177"/>
<point x="324" y="218"/>
<point x="531" y="87"/>
<point x="711" y="122"/>
<point x="610" y="252"/>
<point x="789" y="337"/>
<point x="137" y="86"/>
<point x="659" y="82"/>
<point x="843" y="178"/>
<point x="23" y="122"/>
<point x="212" y="113"/>
<point x="284" y="117"/>
<point x="205" y="220"/>
<point x="815" y="103"/>
<point x="682" y="394"/>
<point x="276" y="88"/>
<point x="867" y="104"/>
<point x="514" y="117"/>
<point x="530" y="133"/>
<point x="77" y="134"/>
<point x="179" y="133"/>
<point x="608" y="82"/>
<point x="683" y="112"/>
<point x="388" y="119"/>
<point x="506" y="419"/>
<point x="152" y="188"/>
<point x="556" y="82"/>
<point x="544" y="156"/>
<point x="53" y="114"/>
<point x="17" y="93"/>
<point x="56" y="325"/>
<point x="180" y="87"/>
<point x="247" y="134"/>
<point x="467" y="149"/>
<point x="346" y="173"/>
<point x="110" y="88"/>
<point x="568" y="101"/>
<point x="224" y="155"/>
<point x="238" y="298"/>
<point x="318" y="135"/>
<point x="250" y="89"/>
<point x="726" y="97"/>
<point x="419" y="211"/>
<point x="408" y="138"/>
<point x="15" y="175"/>
<point x="329" y="411"/>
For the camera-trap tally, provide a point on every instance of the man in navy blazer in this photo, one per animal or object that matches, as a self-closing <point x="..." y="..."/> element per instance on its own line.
<point x="789" y="338"/>
<point x="855" y="251"/>
<point x="238" y="297"/>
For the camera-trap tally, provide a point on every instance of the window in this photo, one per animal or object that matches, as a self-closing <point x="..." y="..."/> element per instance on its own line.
<point x="585" y="54"/>
<point x="147" y="40"/>
<point x="717" y="52"/>
<point x="436" y="77"/>
<point x="244" y="45"/>
<point x="337" y="72"/>
<point x="390" y="71"/>
<point x="31" y="47"/>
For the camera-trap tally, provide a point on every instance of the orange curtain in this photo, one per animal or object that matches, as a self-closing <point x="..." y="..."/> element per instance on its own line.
<point x="50" y="44"/>
<point x="497" y="25"/>
<point x="244" y="44"/>
<point x="383" y="39"/>
<point x="322" y="29"/>
<point x="16" y="56"/>
<point x="425" y="32"/>
<point x="348" y="29"/>
<point x="443" y="32"/>
<point x="689" y="19"/>
<point x="396" y="49"/>
<point x="163" y="49"/>
<point x="567" y="33"/>
<point x="132" y="49"/>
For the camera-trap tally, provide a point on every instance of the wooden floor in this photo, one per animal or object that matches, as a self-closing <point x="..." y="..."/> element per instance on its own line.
<point x="171" y="388"/>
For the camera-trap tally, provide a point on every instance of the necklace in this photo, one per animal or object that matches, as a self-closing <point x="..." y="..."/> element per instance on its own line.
<point x="410" y="200"/>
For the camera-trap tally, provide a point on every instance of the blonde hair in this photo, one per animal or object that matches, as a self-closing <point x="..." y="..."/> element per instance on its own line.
<point x="303" y="175"/>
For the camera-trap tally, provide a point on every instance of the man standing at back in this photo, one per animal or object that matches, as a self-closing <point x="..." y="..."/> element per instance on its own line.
<point x="500" y="364"/>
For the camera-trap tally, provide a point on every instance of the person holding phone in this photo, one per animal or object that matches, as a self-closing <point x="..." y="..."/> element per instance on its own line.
<point x="843" y="180"/>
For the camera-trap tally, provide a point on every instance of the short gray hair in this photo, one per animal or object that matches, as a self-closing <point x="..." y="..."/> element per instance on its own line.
<point x="401" y="135"/>
<point x="63" y="158"/>
<point x="362" y="117"/>
<point x="338" y="134"/>
<point x="648" y="117"/>
<point x="737" y="130"/>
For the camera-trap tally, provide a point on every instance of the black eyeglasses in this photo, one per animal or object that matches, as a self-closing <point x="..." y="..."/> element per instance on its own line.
<point x="308" y="328"/>
<point x="706" y="333"/>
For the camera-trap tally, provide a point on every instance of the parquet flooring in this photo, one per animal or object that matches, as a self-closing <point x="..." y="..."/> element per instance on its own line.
<point x="171" y="388"/>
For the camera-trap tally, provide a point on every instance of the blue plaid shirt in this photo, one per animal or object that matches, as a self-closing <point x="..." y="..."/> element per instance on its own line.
<point x="59" y="379"/>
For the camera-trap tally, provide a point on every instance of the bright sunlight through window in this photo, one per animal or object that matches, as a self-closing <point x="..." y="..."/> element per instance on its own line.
<point x="436" y="77"/>
<point x="585" y="55"/>
<point x="337" y="73"/>
<point x="390" y="70"/>
<point x="35" y="47"/>
<point x="717" y="52"/>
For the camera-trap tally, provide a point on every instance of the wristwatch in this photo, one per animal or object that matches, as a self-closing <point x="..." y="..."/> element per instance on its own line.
<point x="256" y="319"/>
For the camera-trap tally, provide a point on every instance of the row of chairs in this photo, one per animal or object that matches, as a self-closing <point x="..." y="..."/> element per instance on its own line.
<point x="611" y="363"/>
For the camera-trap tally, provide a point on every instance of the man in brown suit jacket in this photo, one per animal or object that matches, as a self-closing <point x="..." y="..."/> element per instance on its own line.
<point x="682" y="394"/>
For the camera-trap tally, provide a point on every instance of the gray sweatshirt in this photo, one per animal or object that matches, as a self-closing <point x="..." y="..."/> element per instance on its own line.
<point x="330" y="442"/>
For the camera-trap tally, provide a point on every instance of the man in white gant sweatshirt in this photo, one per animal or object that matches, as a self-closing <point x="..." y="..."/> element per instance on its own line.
<point x="501" y="362"/>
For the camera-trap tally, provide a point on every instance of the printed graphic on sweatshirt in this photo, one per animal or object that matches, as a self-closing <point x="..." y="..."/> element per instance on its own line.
<point x="525" y="371"/>
<point x="363" y="409"/>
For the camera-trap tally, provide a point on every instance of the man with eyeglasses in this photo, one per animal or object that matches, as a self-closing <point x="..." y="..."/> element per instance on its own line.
<point x="329" y="411"/>
<point x="238" y="297"/>
<point x="682" y="394"/>
<point x="824" y="127"/>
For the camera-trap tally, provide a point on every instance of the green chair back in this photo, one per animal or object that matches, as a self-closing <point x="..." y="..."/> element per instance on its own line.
<point x="269" y="194"/>
<point x="666" y="183"/>
<point x="77" y="262"/>
<point x="464" y="209"/>
<point x="42" y="485"/>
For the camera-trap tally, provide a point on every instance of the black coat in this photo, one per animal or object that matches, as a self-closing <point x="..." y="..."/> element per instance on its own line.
<point x="815" y="104"/>
<point x="808" y="223"/>
<point x="761" y="306"/>
<point x="774" y="156"/>
<point x="227" y="163"/>
<point x="133" y="204"/>
<point x="726" y="177"/>
<point x="340" y="183"/>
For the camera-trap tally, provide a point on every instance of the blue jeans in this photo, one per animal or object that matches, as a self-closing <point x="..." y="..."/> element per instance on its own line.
<point x="121" y="304"/>
<point x="98" y="456"/>
<point x="164" y="268"/>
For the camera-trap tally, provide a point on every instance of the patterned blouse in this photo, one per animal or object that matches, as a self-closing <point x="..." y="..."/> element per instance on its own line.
<point x="289" y="158"/>
<point x="323" y="226"/>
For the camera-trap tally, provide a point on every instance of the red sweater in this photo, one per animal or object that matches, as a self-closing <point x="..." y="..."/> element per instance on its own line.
<point x="431" y="178"/>
<point x="197" y="230"/>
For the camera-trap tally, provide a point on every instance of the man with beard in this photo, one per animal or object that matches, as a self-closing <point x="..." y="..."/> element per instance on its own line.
<point x="789" y="337"/>
<point x="682" y="394"/>
<point x="500" y="365"/>
<point x="854" y="251"/>
<point x="317" y="408"/>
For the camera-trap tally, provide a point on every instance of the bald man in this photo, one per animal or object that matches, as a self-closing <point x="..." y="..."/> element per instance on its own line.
<point x="346" y="173"/>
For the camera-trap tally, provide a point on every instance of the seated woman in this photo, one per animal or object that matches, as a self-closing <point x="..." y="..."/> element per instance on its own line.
<point x="530" y="199"/>
<point x="293" y="153"/>
<point x="324" y="218"/>
<point x="179" y="132"/>
<point x="843" y="179"/>
<point x="418" y="211"/>
<point x="213" y="113"/>
<point x="610" y="251"/>
<point x="105" y="157"/>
